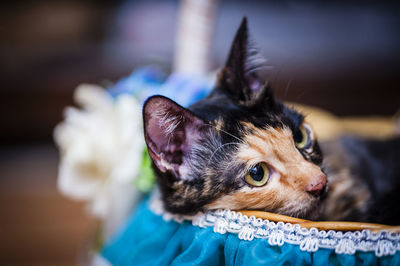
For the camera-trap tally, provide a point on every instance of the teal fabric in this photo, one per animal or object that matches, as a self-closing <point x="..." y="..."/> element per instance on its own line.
<point x="149" y="240"/>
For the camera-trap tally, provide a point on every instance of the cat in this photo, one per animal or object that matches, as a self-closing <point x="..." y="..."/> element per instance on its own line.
<point x="238" y="148"/>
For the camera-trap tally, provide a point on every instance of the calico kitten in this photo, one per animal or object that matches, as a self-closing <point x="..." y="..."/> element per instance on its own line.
<point x="239" y="148"/>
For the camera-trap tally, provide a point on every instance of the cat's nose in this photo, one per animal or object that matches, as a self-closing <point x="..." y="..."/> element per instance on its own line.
<point x="317" y="185"/>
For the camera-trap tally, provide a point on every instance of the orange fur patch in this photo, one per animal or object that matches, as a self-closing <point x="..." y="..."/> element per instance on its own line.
<point x="290" y="174"/>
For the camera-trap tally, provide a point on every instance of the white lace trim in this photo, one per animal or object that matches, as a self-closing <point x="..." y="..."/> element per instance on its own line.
<point x="383" y="243"/>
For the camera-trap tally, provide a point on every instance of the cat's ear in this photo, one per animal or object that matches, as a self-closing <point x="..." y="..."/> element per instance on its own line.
<point x="239" y="77"/>
<point x="170" y="132"/>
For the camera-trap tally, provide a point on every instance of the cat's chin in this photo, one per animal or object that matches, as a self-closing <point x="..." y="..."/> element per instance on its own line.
<point x="310" y="211"/>
<point x="310" y="207"/>
<point x="314" y="213"/>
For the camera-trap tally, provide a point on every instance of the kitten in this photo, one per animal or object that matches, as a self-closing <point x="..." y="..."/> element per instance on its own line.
<point x="241" y="148"/>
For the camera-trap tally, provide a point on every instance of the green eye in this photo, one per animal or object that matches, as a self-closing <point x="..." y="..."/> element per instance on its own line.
<point x="258" y="175"/>
<point x="302" y="137"/>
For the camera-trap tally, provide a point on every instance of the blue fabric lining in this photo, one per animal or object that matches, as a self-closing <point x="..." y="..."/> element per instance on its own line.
<point x="147" y="239"/>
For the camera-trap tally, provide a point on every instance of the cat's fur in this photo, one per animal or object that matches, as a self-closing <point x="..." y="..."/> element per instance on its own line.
<point x="201" y="154"/>
<point x="364" y="180"/>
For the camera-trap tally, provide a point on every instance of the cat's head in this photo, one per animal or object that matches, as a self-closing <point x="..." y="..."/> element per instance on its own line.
<point x="239" y="148"/>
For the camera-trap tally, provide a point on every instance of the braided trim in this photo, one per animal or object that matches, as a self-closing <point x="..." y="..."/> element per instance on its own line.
<point x="382" y="243"/>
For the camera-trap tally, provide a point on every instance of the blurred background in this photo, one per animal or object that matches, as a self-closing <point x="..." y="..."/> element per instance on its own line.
<point x="343" y="56"/>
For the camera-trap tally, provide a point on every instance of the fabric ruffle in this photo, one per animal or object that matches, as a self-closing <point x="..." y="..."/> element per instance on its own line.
<point x="147" y="239"/>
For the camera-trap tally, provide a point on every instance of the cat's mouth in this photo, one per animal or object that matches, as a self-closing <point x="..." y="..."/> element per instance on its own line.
<point x="315" y="207"/>
<point x="324" y="192"/>
<point x="321" y="194"/>
<point x="312" y="212"/>
<point x="310" y="209"/>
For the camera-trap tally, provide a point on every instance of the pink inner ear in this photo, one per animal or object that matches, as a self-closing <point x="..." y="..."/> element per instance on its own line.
<point x="165" y="136"/>
<point x="170" y="131"/>
<point x="165" y="149"/>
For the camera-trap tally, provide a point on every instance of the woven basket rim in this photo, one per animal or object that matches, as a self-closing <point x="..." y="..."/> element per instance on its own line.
<point x="320" y="225"/>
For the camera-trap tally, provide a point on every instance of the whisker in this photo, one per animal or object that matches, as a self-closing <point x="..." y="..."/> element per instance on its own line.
<point x="301" y="94"/>
<point x="240" y="140"/>
<point x="287" y="88"/>
<point x="217" y="149"/>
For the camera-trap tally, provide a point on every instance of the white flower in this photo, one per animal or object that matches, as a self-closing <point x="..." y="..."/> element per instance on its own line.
<point x="101" y="148"/>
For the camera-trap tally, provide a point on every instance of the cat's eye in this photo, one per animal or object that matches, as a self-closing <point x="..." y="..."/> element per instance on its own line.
<point x="301" y="137"/>
<point x="258" y="175"/>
